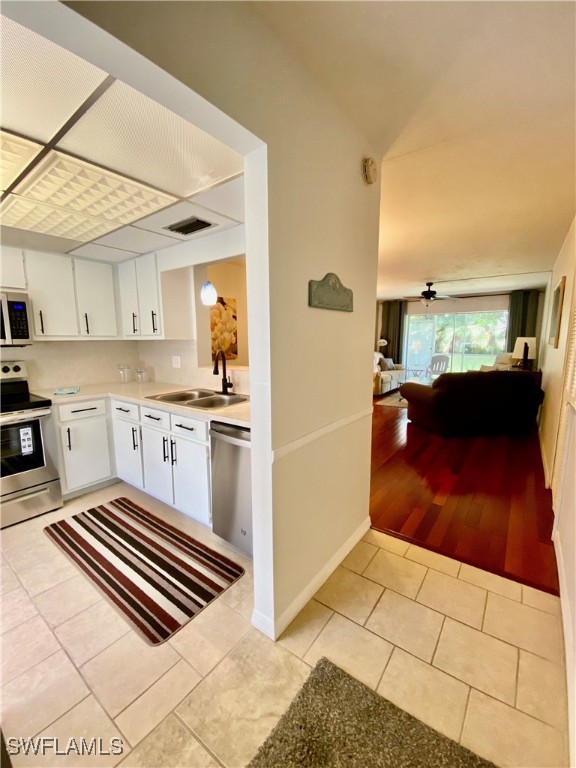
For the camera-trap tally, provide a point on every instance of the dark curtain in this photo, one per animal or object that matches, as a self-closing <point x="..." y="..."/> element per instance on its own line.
<point x="393" y="314"/>
<point x="522" y="316"/>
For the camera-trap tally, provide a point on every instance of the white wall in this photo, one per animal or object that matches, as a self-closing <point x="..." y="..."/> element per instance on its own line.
<point x="558" y="443"/>
<point x="322" y="218"/>
<point x="552" y="361"/>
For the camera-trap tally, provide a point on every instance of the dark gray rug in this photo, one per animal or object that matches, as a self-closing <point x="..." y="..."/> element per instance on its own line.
<point x="336" y="721"/>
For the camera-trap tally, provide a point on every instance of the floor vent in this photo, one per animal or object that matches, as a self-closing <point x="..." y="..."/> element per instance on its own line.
<point x="188" y="226"/>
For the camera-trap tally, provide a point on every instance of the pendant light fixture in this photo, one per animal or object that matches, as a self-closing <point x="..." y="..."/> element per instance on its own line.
<point x="208" y="294"/>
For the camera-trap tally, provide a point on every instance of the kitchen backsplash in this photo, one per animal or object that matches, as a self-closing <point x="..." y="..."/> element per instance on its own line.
<point x="156" y="358"/>
<point x="69" y="363"/>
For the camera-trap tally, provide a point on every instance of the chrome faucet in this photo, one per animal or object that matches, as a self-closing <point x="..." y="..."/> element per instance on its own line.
<point x="226" y="383"/>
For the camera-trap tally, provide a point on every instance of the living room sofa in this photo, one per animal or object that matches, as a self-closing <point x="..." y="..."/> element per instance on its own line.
<point x="475" y="403"/>
<point x="386" y="374"/>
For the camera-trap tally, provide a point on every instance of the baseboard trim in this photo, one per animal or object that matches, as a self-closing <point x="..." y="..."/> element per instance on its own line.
<point x="569" y="646"/>
<point x="304" y="597"/>
<point x="547" y="475"/>
<point x="263" y="623"/>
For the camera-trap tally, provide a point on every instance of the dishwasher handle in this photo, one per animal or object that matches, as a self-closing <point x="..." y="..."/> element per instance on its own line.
<point x="229" y="433"/>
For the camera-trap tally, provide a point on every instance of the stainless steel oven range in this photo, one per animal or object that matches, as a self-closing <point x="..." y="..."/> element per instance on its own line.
<point x="29" y="480"/>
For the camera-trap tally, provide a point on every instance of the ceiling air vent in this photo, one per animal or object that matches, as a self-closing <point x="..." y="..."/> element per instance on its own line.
<point x="188" y="226"/>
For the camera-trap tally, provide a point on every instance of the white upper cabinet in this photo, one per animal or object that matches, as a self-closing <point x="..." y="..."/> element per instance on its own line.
<point x="12" y="275"/>
<point x="129" y="298"/>
<point x="71" y="297"/>
<point x="138" y="285"/>
<point x="95" y="298"/>
<point x="147" y="281"/>
<point x="51" y="288"/>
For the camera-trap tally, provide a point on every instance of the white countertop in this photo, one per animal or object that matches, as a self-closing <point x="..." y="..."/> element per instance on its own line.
<point x="138" y="393"/>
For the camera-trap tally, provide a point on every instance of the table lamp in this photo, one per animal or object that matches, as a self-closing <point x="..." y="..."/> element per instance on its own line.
<point x="525" y="350"/>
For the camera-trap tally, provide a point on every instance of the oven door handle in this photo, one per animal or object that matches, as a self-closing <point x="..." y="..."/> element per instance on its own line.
<point x="16" y="418"/>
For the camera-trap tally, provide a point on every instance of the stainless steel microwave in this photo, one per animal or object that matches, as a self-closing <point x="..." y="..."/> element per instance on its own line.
<point x="16" y="317"/>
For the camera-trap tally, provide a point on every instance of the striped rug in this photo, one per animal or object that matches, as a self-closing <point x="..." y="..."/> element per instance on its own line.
<point x="159" y="577"/>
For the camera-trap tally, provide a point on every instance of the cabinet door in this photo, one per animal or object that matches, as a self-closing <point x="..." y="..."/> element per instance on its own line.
<point x="95" y="297"/>
<point x="86" y="452"/>
<point x="13" y="275"/>
<point x="129" y="298"/>
<point x="191" y="478"/>
<point x="128" y="452"/>
<point x="51" y="288"/>
<point x="156" y="462"/>
<point x="147" y="281"/>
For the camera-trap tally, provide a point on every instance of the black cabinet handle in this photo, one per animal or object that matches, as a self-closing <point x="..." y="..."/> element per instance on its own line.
<point x="165" y="448"/>
<point x="134" y="443"/>
<point x="154" y="418"/>
<point x="173" y="451"/>
<point x="41" y="322"/>
<point x="134" y="329"/>
<point x="154" y="328"/>
<point x="183" y="426"/>
<point x="124" y="410"/>
<point x="87" y="326"/>
<point x="69" y="439"/>
<point x="81" y="410"/>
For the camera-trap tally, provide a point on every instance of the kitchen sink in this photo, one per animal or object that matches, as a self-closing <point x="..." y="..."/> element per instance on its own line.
<point x="180" y="397"/>
<point x="199" y="398"/>
<point x="217" y="401"/>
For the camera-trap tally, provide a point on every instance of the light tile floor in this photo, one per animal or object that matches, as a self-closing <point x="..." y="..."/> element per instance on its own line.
<point x="473" y="655"/>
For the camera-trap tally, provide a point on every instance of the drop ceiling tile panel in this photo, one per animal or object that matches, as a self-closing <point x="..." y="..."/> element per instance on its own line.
<point x="22" y="213"/>
<point x="136" y="136"/>
<point x="70" y="183"/>
<point x="15" y="154"/>
<point x="103" y="253"/>
<point x="160" y="221"/>
<point x="36" y="241"/>
<point x="42" y="83"/>
<point x="138" y="240"/>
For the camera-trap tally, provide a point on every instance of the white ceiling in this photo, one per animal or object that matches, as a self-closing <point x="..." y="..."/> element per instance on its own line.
<point x="107" y="169"/>
<point x="472" y="107"/>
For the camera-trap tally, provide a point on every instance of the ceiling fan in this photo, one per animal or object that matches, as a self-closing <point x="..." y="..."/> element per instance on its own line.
<point x="428" y="296"/>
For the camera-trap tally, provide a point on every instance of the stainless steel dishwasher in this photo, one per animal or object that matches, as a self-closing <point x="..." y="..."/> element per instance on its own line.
<point x="231" y="485"/>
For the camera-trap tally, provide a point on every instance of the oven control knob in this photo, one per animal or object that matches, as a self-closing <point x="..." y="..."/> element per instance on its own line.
<point x="5" y="369"/>
<point x="16" y="369"/>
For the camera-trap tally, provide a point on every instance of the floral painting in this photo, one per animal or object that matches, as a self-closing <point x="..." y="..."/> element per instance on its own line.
<point x="223" y="328"/>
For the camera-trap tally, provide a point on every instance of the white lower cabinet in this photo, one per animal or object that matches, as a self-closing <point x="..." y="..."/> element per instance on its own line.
<point x="157" y="465"/>
<point x="191" y="472"/>
<point x="166" y="454"/>
<point x="84" y="444"/>
<point x="127" y="441"/>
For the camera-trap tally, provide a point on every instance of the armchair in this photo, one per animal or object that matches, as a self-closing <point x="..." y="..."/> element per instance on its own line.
<point x="475" y="403"/>
<point x="438" y="364"/>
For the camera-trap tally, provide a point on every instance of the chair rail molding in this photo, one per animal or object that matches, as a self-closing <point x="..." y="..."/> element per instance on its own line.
<point x="295" y="445"/>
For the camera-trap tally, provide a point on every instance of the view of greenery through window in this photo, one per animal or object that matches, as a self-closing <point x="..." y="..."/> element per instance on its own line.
<point x="469" y="339"/>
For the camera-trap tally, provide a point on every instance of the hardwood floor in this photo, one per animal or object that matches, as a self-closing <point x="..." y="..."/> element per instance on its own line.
<point x="480" y="500"/>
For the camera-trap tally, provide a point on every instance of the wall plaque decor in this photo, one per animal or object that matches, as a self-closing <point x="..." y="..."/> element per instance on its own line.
<point x="329" y="293"/>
